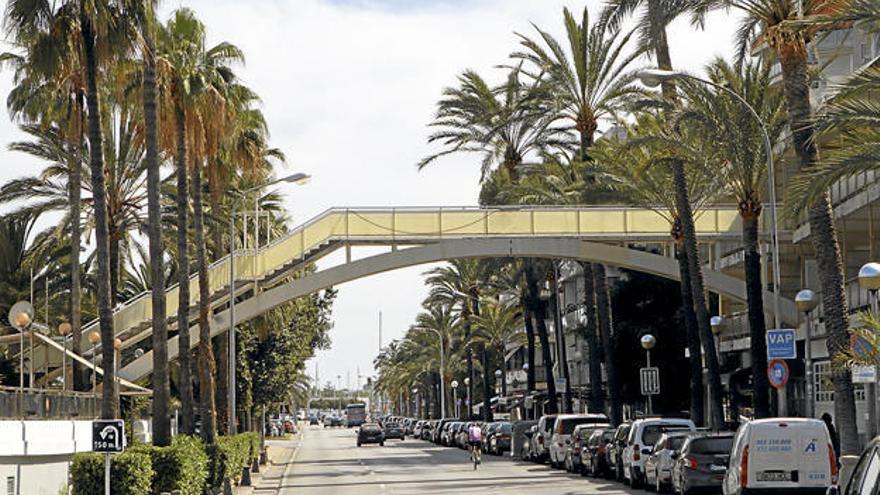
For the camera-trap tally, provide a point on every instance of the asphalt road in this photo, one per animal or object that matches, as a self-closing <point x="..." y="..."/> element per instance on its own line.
<point x="328" y="462"/>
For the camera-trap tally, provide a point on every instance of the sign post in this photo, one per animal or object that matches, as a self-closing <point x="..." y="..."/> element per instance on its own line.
<point x="108" y="437"/>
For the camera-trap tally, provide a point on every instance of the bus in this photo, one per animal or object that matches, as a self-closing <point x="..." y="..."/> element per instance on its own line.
<point x="355" y="414"/>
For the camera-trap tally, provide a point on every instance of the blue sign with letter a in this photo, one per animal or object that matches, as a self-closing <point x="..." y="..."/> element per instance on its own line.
<point x="781" y="344"/>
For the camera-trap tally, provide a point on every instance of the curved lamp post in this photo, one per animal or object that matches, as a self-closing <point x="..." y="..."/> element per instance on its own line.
<point x="298" y="178"/>
<point x="806" y="302"/>
<point x="467" y="382"/>
<point x="648" y="342"/>
<point x="21" y="315"/>
<point x="64" y="330"/>
<point x="95" y="339"/>
<point x="455" y="397"/>
<point x="655" y="77"/>
<point x="869" y="278"/>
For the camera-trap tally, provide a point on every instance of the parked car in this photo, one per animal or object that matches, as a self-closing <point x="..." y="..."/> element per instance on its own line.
<point x="440" y="430"/>
<point x="370" y="433"/>
<point x="394" y="430"/>
<point x="579" y="436"/>
<point x="781" y="455"/>
<point x="331" y="421"/>
<point x="313" y="420"/>
<point x="658" y="466"/>
<point x="595" y="453"/>
<point x="540" y="451"/>
<point x="428" y="430"/>
<point x="448" y="433"/>
<point x="489" y="430"/>
<point x="560" y="434"/>
<point x="417" y="428"/>
<point x="702" y="463"/>
<point x="615" y="452"/>
<point x="500" y="440"/>
<point x="866" y="475"/>
<point x="520" y="439"/>
<point x="640" y="442"/>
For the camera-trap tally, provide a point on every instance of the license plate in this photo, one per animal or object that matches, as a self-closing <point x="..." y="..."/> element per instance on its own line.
<point x="774" y="476"/>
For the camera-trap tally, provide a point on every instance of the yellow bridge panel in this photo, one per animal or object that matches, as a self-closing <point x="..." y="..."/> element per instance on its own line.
<point x="602" y="221"/>
<point x="370" y="224"/>
<point x="417" y="224"/>
<point x="647" y="222"/>
<point x="510" y="222"/>
<point x="556" y="222"/>
<point x="316" y="233"/>
<point x="461" y="223"/>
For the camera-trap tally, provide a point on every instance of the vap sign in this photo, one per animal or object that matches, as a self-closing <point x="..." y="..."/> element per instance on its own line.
<point x="781" y="344"/>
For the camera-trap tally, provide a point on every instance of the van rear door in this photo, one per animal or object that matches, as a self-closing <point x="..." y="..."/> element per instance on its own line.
<point x="788" y="454"/>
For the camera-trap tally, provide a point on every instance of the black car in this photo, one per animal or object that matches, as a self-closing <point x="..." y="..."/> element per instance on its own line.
<point x="701" y="464"/>
<point x="371" y="433"/>
<point x="394" y="430"/>
<point x="594" y="454"/>
<point x="499" y="442"/>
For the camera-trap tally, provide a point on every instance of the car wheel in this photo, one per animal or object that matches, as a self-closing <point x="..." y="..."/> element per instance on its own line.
<point x="359" y="444"/>
<point x="381" y="444"/>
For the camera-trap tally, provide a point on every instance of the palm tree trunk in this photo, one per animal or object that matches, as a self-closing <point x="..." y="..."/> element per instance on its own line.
<point x="80" y="381"/>
<point x="686" y="216"/>
<point x="109" y="409"/>
<point x="824" y="238"/>
<point x="607" y="336"/>
<point x="530" y="345"/>
<point x="466" y="316"/>
<point x="692" y="334"/>
<point x="487" y="385"/>
<point x="755" y="303"/>
<point x="161" y="384"/>
<point x="591" y="333"/>
<point x="223" y="414"/>
<point x="115" y="262"/>
<point x="562" y="345"/>
<point x="539" y="308"/>
<point x="207" y="409"/>
<point x="184" y="356"/>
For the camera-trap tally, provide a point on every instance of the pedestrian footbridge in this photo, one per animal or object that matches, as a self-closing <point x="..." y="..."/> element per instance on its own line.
<point x="414" y="236"/>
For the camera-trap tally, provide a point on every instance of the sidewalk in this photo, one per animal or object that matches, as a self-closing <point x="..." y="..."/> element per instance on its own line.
<point x="271" y="476"/>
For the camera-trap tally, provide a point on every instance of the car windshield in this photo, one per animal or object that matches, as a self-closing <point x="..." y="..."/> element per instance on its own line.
<point x="392" y="425"/>
<point x="675" y="443"/>
<point x="652" y="433"/>
<point x="718" y="445"/>
<point x="585" y="433"/>
<point x="370" y="427"/>
<point x="506" y="428"/>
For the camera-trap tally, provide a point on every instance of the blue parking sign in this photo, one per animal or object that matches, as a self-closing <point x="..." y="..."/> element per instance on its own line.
<point x="781" y="344"/>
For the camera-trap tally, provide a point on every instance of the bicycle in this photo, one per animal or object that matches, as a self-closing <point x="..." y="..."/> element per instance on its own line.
<point x="476" y="454"/>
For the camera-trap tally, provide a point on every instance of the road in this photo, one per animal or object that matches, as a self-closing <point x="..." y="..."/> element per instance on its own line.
<point x="328" y="462"/>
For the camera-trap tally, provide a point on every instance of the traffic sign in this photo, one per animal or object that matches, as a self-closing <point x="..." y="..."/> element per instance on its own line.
<point x="777" y="372"/>
<point x="650" y="380"/>
<point x="560" y="383"/>
<point x="108" y="436"/>
<point x="864" y="374"/>
<point x="781" y="344"/>
<point x="861" y="347"/>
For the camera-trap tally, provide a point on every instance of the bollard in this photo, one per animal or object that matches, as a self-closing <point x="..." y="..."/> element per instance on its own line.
<point x="245" y="476"/>
<point x="255" y="466"/>
<point x="847" y="465"/>
<point x="227" y="487"/>
<point x="264" y="457"/>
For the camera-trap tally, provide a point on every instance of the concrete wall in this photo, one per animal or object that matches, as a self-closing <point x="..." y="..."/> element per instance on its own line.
<point x="35" y="456"/>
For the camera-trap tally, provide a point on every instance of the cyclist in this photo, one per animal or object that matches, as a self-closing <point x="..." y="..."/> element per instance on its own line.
<point x="475" y="443"/>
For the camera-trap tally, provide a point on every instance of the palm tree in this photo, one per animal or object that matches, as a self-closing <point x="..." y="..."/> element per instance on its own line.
<point x="499" y="325"/>
<point x="775" y="19"/>
<point x="730" y="127"/>
<point x="637" y="169"/>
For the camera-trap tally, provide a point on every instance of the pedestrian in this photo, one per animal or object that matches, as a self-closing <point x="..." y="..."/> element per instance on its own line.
<point x="832" y="432"/>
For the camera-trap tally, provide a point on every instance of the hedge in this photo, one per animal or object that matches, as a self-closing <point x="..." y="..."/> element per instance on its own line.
<point x="131" y="473"/>
<point x="181" y="466"/>
<point x="231" y="455"/>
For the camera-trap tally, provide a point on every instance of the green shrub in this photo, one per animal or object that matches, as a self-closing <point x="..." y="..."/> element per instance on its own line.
<point x="181" y="466"/>
<point x="131" y="473"/>
<point x="230" y="456"/>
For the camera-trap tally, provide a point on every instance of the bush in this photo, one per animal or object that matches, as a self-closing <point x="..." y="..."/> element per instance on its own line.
<point x="131" y="473"/>
<point x="182" y="466"/>
<point x="230" y="456"/>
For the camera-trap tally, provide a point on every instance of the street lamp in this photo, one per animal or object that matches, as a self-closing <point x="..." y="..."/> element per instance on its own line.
<point x="655" y="77"/>
<point x="415" y="392"/>
<point x="807" y="301"/>
<point x="467" y="382"/>
<point x="455" y="397"/>
<point x="21" y="315"/>
<point x="717" y="323"/>
<point x="499" y="375"/>
<point x="64" y="330"/>
<point x="117" y="347"/>
<point x="648" y="342"/>
<point x="442" y="369"/>
<point x="869" y="278"/>
<point x="297" y="178"/>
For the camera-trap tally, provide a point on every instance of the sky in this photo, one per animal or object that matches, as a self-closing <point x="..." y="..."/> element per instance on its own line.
<point x="348" y="87"/>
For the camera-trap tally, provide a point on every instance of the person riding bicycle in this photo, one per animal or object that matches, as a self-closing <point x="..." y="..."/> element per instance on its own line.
<point x="475" y="439"/>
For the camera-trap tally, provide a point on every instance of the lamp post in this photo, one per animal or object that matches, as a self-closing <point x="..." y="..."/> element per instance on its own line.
<point x="117" y="347"/>
<point x="95" y="339"/>
<point x="655" y="77"/>
<point x="467" y="382"/>
<point x="455" y="398"/>
<point x="648" y="342"/>
<point x="442" y="370"/>
<point x="807" y="301"/>
<point x="298" y="178"/>
<point x="64" y="330"/>
<point x="21" y="315"/>
<point x="869" y="278"/>
<point x="499" y="375"/>
<point x="415" y="392"/>
<point x="717" y="324"/>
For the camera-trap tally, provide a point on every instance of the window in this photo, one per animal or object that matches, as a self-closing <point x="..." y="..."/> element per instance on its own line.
<point x="10" y="485"/>
<point x="823" y="386"/>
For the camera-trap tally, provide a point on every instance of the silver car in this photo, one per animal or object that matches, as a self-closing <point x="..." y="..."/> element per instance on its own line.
<point x="658" y="466"/>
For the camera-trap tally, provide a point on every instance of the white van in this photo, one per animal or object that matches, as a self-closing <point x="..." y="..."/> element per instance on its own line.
<point x="643" y="434"/>
<point x="781" y="456"/>
<point x="564" y="425"/>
